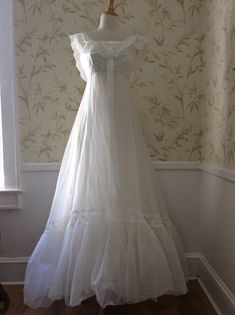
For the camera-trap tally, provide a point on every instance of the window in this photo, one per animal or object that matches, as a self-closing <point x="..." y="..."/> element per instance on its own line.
<point x="1" y="148"/>
<point x="10" y="194"/>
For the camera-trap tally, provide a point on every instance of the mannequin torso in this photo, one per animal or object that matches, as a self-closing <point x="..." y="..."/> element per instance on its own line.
<point x="108" y="30"/>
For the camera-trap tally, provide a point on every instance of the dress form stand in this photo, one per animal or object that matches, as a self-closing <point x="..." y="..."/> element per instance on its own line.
<point x="109" y="26"/>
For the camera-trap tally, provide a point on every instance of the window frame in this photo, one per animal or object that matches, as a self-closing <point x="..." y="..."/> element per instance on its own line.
<point x="11" y="193"/>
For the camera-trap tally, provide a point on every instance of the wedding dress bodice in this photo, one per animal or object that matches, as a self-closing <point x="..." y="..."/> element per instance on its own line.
<point x="111" y="56"/>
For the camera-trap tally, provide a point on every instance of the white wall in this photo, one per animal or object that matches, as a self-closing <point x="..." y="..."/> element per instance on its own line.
<point x="20" y="229"/>
<point x="218" y="239"/>
<point x="181" y="189"/>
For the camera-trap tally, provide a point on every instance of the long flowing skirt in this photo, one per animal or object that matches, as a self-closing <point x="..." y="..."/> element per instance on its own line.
<point x="108" y="233"/>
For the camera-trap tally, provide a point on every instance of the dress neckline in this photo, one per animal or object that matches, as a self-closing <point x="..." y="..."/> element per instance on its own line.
<point x="83" y="43"/>
<point x="87" y="38"/>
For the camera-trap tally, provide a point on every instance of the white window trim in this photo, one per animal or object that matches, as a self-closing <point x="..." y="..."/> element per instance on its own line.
<point x="11" y="194"/>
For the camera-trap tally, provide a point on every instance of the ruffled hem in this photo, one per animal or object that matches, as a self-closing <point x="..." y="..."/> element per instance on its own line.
<point x="118" y="262"/>
<point x="85" y="297"/>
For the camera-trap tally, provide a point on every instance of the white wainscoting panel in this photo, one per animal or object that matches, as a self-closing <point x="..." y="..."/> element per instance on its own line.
<point x="200" y="199"/>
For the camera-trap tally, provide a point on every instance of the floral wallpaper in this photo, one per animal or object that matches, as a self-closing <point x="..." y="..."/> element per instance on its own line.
<point x="181" y="93"/>
<point x="218" y="105"/>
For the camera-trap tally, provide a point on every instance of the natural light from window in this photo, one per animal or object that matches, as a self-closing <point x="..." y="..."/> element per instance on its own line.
<point x="1" y="148"/>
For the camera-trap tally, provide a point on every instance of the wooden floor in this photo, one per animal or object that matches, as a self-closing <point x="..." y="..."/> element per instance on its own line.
<point x="193" y="303"/>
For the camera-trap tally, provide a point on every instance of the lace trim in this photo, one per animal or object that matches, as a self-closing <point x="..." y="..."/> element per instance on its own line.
<point x="91" y="216"/>
<point x="76" y="56"/>
<point x="84" y="44"/>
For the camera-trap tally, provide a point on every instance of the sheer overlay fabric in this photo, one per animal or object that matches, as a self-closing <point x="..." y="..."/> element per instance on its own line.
<point x="108" y="233"/>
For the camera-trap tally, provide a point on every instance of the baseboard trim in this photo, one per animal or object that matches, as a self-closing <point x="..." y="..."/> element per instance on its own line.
<point x="216" y="290"/>
<point x="192" y="262"/>
<point x="209" y="297"/>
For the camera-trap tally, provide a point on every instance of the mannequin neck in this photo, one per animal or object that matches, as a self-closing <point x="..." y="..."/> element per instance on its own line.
<point x="109" y="29"/>
<point x="109" y="22"/>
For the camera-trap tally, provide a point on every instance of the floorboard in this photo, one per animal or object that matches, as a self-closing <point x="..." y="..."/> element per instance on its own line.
<point x="193" y="303"/>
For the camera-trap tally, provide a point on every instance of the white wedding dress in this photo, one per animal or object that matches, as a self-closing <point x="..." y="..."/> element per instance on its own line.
<point x="108" y="233"/>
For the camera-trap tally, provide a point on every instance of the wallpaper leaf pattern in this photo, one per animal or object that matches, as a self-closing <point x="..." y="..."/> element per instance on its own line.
<point x="185" y="88"/>
<point x="218" y="106"/>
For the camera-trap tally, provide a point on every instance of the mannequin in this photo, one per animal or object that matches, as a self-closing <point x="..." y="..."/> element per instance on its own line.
<point x="109" y="27"/>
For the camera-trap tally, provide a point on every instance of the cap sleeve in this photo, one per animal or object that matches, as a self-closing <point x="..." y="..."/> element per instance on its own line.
<point x="77" y="53"/>
<point x="141" y="44"/>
